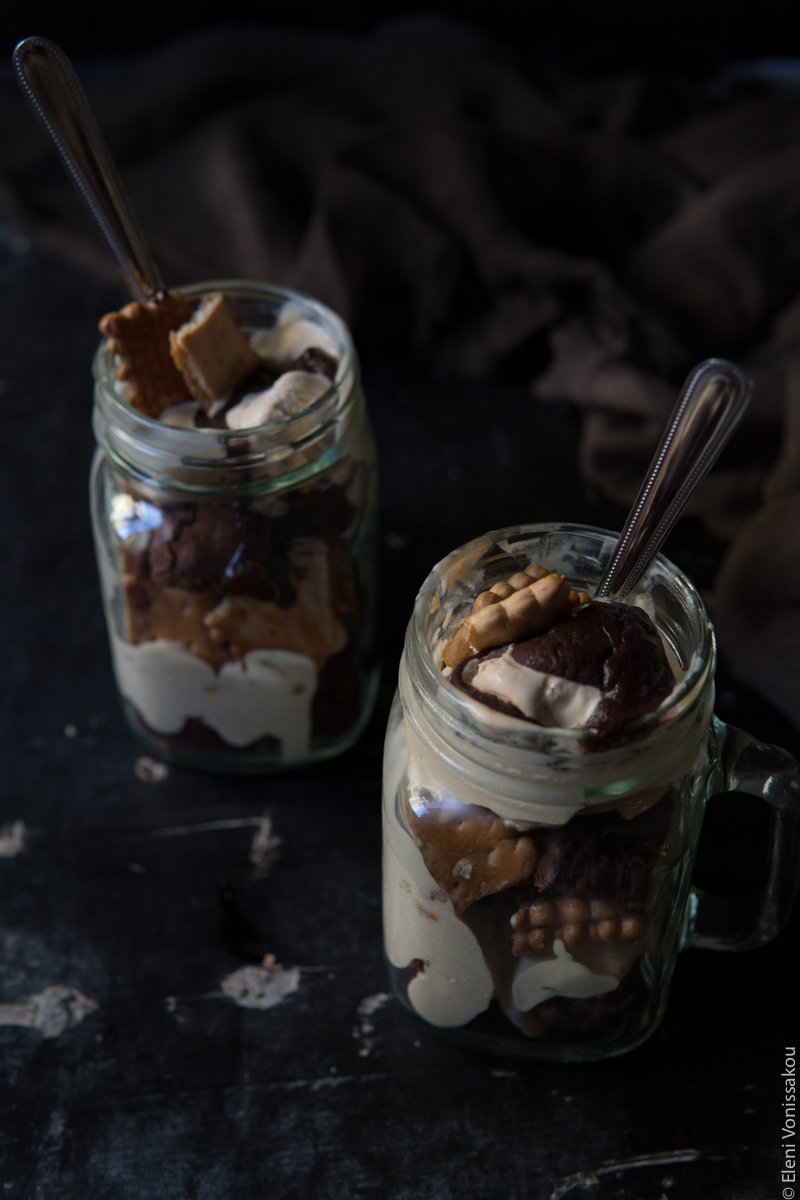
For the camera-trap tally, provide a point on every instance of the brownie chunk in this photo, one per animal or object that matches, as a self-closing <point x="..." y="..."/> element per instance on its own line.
<point x="193" y="545"/>
<point x="223" y="547"/>
<point x="603" y="855"/>
<point x="611" y="646"/>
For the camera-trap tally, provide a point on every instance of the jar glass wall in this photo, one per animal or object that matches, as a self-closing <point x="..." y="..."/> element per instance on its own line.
<point x="238" y="566"/>
<point x="536" y="885"/>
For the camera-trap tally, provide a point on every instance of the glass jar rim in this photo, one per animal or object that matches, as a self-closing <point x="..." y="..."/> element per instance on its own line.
<point x="145" y="447"/>
<point x="681" y="698"/>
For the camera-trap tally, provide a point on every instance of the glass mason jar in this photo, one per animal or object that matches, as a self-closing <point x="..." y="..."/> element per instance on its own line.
<point x="537" y="886"/>
<point x="238" y="566"/>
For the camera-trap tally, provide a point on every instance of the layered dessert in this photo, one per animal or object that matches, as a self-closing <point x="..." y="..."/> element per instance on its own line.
<point x="196" y="368"/>
<point x="237" y="614"/>
<point x="518" y="918"/>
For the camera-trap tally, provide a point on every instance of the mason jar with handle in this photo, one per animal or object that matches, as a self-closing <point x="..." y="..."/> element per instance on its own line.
<point x="538" y="883"/>
<point x="237" y="565"/>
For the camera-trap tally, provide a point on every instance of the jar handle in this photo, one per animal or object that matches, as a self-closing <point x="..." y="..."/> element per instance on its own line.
<point x="744" y="764"/>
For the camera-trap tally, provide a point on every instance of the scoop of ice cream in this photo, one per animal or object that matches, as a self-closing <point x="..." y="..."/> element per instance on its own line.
<point x="290" y="393"/>
<point x="543" y="698"/>
<point x="600" y="668"/>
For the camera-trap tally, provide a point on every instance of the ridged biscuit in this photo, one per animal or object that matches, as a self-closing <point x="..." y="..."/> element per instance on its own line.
<point x="138" y="335"/>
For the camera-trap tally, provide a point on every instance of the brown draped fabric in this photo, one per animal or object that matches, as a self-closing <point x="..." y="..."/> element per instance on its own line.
<point x="453" y="199"/>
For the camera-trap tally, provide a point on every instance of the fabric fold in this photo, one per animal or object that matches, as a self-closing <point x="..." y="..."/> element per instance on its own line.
<point x="455" y="199"/>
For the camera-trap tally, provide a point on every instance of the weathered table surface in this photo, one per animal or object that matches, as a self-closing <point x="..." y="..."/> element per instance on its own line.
<point x="144" y="896"/>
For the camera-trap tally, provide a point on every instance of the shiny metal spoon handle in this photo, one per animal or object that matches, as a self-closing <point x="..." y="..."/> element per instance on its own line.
<point x="709" y="408"/>
<point x="50" y="84"/>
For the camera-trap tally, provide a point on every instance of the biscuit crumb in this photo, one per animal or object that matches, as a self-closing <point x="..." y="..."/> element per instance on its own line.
<point x="150" y="771"/>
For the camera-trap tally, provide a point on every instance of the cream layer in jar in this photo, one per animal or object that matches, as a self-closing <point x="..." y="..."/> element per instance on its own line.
<point x="238" y="614"/>
<point x="543" y="896"/>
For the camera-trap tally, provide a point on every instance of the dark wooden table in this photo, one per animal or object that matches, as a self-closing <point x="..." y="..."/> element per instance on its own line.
<point x="142" y="896"/>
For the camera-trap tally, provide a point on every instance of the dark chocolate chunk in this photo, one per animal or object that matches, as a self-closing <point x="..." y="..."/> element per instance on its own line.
<point x="316" y="361"/>
<point x="261" y="379"/>
<point x="247" y="580"/>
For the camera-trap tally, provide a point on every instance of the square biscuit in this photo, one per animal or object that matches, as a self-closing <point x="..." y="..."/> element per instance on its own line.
<point x="211" y="352"/>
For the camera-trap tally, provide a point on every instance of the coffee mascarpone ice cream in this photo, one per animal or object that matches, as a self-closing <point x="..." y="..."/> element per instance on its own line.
<point x="599" y="668"/>
<point x="239" y="615"/>
<point x="497" y="921"/>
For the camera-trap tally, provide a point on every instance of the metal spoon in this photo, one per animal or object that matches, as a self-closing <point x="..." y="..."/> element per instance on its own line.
<point x="51" y="86"/>
<point x="710" y="406"/>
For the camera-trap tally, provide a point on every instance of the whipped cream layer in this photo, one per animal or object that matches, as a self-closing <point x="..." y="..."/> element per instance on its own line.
<point x="544" y="781"/>
<point x="547" y="699"/>
<point x="557" y="974"/>
<point x="454" y="984"/>
<point x="268" y="694"/>
<point x="418" y="919"/>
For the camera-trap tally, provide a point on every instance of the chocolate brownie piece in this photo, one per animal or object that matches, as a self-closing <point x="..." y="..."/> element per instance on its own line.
<point x="607" y="645"/>
<point x="321" y="511"/>
<point x="602" y="855"/>
<point x="203" y="547"/>
<point x="193" y="545"/>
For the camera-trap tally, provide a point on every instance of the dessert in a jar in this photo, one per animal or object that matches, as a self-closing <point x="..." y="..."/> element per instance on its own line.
<point x="548" y="757"/>
<point x="233" y="498"/>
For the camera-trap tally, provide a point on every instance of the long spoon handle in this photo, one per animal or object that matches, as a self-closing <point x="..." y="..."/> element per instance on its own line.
<point x="710" y="406"/>
<point x="51" y="86"/>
